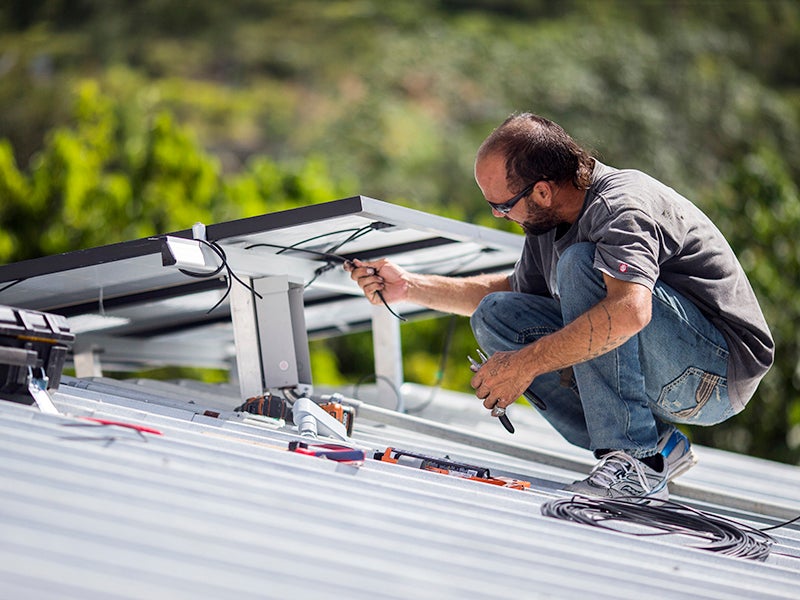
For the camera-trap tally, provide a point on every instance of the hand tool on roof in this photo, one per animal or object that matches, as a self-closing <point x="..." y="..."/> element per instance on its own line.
<point x="268" y="405"/>
<point x="448" y="467"/>
<point x="497" y="411"/>
<point x="344" y="414"/>
<point x="335" y="452"/>
<point x="312" y="420"/>
<point x="277" y="407"/>
<point x="33" y="348"/>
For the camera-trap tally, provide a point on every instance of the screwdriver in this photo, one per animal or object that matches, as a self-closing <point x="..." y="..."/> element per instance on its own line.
<point x="497" y="411"/>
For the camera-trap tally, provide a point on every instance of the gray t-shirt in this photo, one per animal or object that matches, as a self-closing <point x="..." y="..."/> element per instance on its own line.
<point x="645" y="231"/>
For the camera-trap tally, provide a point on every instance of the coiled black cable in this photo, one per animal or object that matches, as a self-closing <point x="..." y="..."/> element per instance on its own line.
<point x="664" y="517"/>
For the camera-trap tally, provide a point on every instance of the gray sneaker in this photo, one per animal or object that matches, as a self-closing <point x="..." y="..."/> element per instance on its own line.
<point x="619" y="474"/>
<point x="677" y="452"/>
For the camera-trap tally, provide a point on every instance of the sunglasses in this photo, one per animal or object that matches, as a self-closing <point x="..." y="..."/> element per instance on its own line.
<point x="506" y="206"/>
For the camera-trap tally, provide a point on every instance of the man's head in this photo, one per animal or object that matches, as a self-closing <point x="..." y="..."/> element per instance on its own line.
<point x="536" y="148"/>
<point x="525" y="164"/>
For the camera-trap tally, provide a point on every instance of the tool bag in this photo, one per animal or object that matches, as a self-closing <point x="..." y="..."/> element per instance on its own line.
<point x="33" y="345"/>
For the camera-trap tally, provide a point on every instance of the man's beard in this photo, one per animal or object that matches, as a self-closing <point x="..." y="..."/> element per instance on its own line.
<point x="541" y="221"/>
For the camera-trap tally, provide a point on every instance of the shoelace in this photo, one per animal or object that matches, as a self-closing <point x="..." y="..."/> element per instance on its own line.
<point x="606" y="473"/>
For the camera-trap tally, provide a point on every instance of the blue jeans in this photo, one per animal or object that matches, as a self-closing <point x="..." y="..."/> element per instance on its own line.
<point x="673" y="371"/>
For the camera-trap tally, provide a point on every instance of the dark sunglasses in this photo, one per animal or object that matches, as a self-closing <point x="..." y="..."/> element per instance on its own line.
<point x="506" y="206"/>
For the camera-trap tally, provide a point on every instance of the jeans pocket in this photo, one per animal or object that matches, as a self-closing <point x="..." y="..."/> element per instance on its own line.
<point x="696" y="397"/>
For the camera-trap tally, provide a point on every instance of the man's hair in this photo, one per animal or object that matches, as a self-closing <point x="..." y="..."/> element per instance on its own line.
<point x="537" y="148"/>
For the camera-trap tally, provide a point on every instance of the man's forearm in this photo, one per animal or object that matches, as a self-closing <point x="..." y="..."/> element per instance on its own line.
<point x="459" y="295"/>
<point x="607" y="325"/>
<point x="602" y="328"/>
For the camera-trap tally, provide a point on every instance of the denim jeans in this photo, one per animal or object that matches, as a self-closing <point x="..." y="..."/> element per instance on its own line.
<point x="673" y="371"/>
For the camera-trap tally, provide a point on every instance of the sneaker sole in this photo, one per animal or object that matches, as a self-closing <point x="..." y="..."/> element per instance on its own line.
<point x="683" y="464"/>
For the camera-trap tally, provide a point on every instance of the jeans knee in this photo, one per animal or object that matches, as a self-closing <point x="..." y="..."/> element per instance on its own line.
<point x="481" y="319"/>
<point x="576" y="263"/>
<point x="580" y="285"/>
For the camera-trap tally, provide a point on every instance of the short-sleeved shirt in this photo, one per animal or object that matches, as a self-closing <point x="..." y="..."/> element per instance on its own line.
<point x="644" y="231"/>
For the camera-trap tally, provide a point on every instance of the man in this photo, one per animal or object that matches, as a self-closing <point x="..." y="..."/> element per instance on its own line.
<point x="627" y="312"/>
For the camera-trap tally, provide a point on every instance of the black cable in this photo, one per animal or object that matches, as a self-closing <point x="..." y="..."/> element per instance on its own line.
<point x="330" y="256"/>
<point x="468" y="257"/>
<point x="448" y="338"/>
<point x="352" y="237"/>
<point x="330" y="252"/>
<point x="376" y="377"/>
<point x="389" y="308"/>
<point x="10" y="285"/>
<point x="325" y="255"/>
<point x="319" y="271"/>
<point x="220" y="252"/>
<point x="784" y="524"/>
<point x="665" y="517"/>
<point x="316" y="237"/>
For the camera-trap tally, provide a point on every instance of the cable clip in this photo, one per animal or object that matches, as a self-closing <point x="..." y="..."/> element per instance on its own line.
<point x="37" y="387"/>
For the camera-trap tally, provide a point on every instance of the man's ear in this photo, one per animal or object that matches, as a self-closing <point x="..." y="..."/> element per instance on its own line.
<point x="543" y="193"/>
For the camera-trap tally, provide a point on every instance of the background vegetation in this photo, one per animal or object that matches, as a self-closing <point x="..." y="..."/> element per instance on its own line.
<point x="122" y="119"/>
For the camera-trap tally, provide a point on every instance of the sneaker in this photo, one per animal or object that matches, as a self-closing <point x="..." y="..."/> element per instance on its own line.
<point x="677" y="452"/>
<point x="619" y="474"/>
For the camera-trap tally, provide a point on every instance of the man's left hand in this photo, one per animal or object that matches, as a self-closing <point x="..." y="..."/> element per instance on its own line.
<point x="501" y="379"/>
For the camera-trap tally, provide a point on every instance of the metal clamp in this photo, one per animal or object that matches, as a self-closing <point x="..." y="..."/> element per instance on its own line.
<point x="37" y="386"/>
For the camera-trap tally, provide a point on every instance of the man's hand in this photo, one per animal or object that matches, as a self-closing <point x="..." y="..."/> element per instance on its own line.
<point x="624" y="312"/>
<point x="501" y="379"/>
<point x="379" y="276"/>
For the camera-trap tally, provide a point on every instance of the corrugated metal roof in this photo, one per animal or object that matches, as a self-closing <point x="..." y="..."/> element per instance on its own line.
<point x="216" y="507"/>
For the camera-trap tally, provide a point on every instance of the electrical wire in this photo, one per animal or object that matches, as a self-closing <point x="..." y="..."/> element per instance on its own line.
<point x="330" y="255"/>
<point x="220" y="252"/>
<point x="468" y="257"/>
<point x="451" y="326"/>
<point x="316" y="237"/>
<point x="354" y="236"/>
<point x="665" y="517"/>
<point x="10" y="285"/>
<point x="448" y="338"/>
<point x="779" y="525"/>
<point x="317" y="253"/>
<point x="377" y="378"/>
<point x="399" y="317"/>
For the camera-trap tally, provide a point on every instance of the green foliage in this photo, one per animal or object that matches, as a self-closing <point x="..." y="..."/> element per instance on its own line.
<point x="106" y="179"/>
<point x="760" y="188"/>
<point x="120" y="120"/>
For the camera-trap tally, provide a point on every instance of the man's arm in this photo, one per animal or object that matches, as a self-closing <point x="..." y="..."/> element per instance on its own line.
<point x="624" y="312"/>
<point x="458" y="295"/>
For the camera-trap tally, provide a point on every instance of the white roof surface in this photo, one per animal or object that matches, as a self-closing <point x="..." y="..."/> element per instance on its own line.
<point x="216" y="507"/>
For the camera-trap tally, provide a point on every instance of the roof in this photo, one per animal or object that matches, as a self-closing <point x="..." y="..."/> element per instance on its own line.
<point x="216" y="506"/>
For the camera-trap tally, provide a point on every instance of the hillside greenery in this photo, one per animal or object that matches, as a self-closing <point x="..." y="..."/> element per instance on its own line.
<point x="123" y="119"/>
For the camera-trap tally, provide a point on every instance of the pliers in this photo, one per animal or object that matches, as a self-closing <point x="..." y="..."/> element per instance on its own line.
<point x="497" y="411"/>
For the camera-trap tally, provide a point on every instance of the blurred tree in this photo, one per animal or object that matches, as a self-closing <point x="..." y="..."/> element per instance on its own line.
<point x="759" y="188"/>
<point x="106" y="179"/>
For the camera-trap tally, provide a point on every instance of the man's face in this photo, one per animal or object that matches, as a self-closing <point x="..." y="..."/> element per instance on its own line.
<point x="534" y="212"/>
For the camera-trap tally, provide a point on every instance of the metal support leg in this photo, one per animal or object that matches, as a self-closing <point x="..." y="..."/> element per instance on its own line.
<point x="270" y="336"/>
<point x="87" y="363"/>
<point x="387" y="348"/>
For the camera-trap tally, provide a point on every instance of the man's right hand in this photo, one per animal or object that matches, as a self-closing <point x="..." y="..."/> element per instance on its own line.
<point x="379" y="276"/>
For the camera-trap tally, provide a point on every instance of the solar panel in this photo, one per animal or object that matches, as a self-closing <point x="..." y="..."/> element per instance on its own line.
<point x="126" y="301"/>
